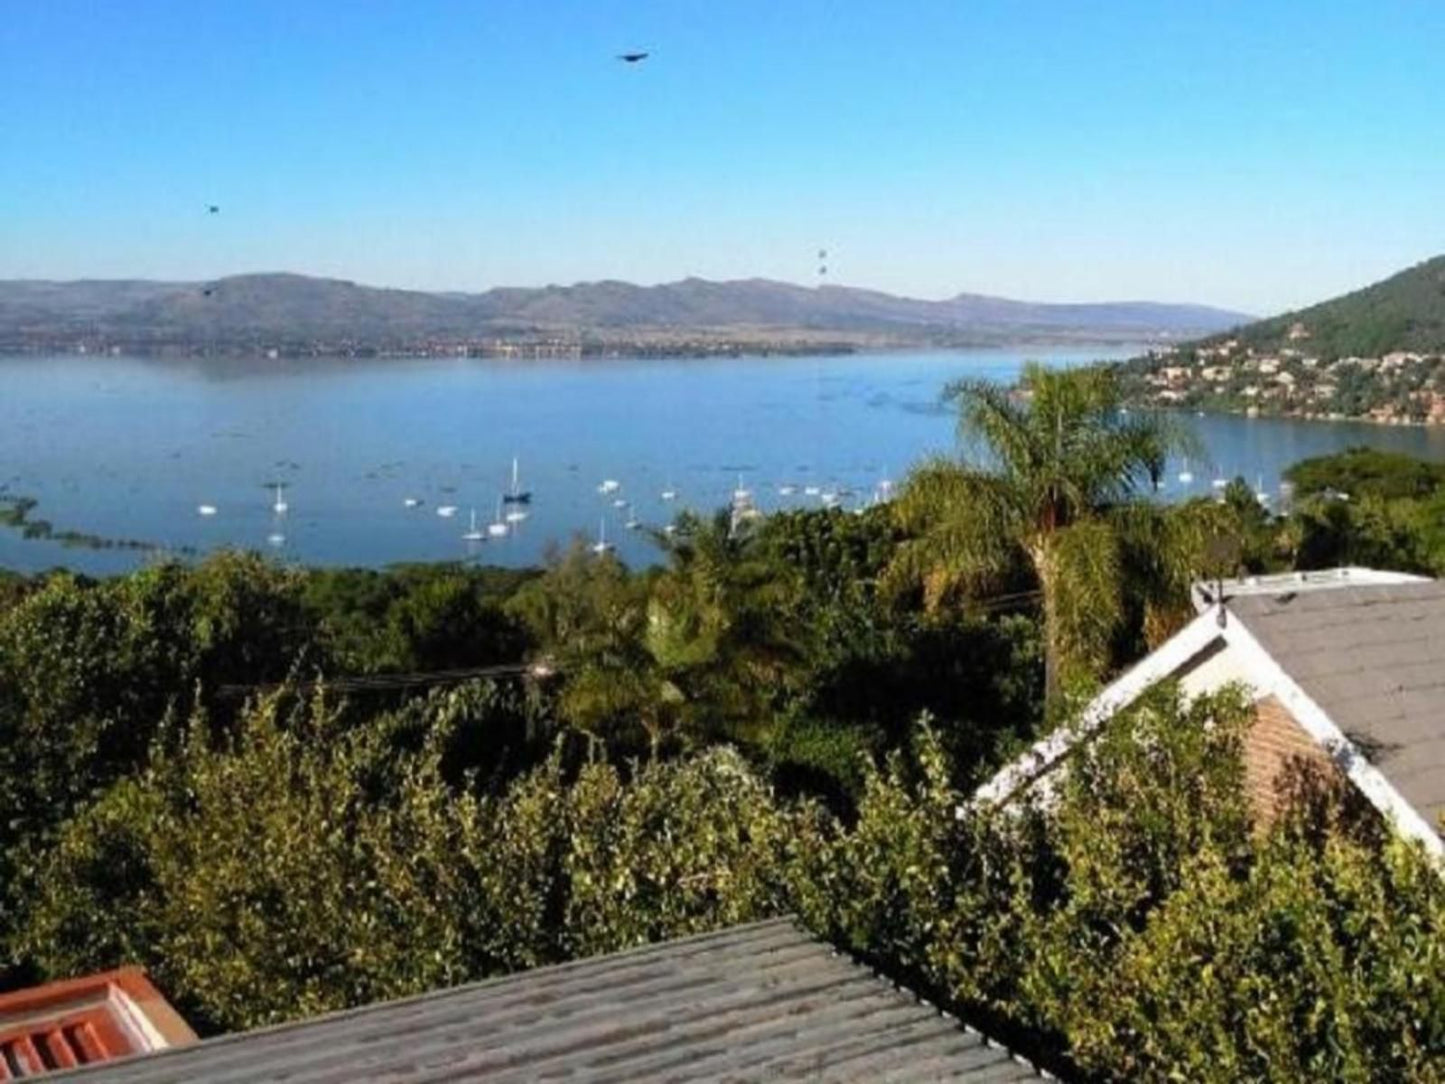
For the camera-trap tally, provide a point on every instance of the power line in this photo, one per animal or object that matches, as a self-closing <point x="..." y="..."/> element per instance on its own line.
<point x="388" y="682"/>
<point x="534" y="670"/>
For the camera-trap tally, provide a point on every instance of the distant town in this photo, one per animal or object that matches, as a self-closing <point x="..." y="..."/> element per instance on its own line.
<point x="1402" y="387"/>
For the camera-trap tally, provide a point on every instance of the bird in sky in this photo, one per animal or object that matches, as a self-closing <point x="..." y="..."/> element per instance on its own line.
<point x="632" y="58"/>
<point x="213" y="209"/>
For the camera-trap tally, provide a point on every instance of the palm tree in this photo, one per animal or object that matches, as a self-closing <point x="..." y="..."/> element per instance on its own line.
<point x="1054" y="502"/>
<point x="713" y="628"/>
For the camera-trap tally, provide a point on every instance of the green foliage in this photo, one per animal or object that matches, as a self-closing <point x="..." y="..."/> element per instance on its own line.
<point x="1366" y="472"/>
<point x="89" y="670"/>
<point x="414" y="617"/>
<point x="1404" y="312"/>
<point x="1139" y="926"/>
<point x="1064" y="469"/>
<point x="306" y="865"/>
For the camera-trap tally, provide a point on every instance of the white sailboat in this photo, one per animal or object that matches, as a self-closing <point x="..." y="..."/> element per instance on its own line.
<point x="516" y="515"/>
<point x="276" y="538"/>
<point x="602" y="546"/>
<point x="742" y="494"/>
<point x="498" y="528"/>
<point x="1186" y="476"/>
<point x="633" y="523"/>
<point x="205" y="509"/>
<point x="446" y="511"/>
<point x="411" y="502"/>
<point x="516" y="495"/>
<point x="474" y="533"/>
<point x="812" y="491"/>
<point x="669" y="494"/>
<point x="280" y="507"/>
<point x="787" y="489"/>
<point x="609" y="485"/>
<point x="1260" y="494"/>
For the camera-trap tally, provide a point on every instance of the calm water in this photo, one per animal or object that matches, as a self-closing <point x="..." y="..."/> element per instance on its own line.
<point x="125" y="448"/>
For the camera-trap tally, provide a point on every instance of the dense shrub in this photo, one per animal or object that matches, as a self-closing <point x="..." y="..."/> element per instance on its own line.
<point x="1137" y="926"/>
<point x="304" y="865"/>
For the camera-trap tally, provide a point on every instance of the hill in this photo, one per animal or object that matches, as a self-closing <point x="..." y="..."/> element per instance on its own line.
<point x="1376" y="353"/>
<point x="1404" y="312"/>
<point x="315" y="315"/>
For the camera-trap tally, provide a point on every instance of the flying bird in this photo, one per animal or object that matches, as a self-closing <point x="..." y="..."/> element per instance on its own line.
<point x="213" y="209"/>
<point x="632" y="58"/>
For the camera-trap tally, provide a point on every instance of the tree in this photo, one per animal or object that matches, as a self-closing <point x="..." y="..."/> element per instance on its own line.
<point x="588" y="617"/>
<point x="1052" y="504"/>
<point x="718" y="629"/>
<point x="305" y="863"/>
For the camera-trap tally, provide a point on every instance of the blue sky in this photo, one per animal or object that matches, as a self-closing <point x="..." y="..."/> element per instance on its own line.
<point x="1253" y="155"/>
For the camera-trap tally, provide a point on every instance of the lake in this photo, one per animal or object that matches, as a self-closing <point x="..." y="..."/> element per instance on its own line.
<point x="130" y="448"/>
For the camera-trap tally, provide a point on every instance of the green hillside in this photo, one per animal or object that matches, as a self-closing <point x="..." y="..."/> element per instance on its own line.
<point x="1404" y="312"/>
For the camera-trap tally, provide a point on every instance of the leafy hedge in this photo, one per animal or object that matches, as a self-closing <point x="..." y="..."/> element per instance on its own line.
<point x="1138" y="928"/>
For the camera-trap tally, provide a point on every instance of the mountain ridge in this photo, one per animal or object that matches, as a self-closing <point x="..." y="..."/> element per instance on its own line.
<point x="287" y="308"/>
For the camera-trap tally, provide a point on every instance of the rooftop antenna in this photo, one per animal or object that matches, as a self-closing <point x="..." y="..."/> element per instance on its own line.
<point x="1221" y="552"/>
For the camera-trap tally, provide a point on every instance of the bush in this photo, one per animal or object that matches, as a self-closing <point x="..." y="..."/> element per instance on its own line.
<point x="304" y="866"/>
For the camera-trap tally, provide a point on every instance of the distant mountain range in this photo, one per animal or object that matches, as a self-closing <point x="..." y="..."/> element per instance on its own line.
<point x="299" y="313"/>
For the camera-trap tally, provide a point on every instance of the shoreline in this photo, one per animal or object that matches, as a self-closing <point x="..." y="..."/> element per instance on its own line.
<point x="1278" y="416"/>
<point x="1110" y="351"/>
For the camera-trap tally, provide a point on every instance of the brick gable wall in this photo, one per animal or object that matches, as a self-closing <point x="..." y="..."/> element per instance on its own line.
<point x="1276" y="749"/>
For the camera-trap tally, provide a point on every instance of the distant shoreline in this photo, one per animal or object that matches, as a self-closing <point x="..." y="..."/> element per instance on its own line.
<point x="1109" y="351"/>
<point x="1358" y="419"/>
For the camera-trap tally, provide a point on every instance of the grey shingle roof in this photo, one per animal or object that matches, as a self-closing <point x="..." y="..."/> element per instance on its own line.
<point x="759" y="1002"/>
<point x="1374" y="659"/>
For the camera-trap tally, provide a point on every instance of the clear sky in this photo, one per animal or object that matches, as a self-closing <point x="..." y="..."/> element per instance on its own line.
<point x="1255" y="155"/>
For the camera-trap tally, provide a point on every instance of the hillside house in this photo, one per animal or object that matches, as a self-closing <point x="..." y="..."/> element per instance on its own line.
<point x="1346" y="670"/>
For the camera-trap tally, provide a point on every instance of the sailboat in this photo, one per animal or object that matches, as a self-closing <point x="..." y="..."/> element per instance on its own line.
<point x="633" y="523"/>
<point x="742" y="494"/>
<point x="602" y="546"/>
<point x="516" y="495"/>
<point x="1186" y="476"/>
<point x="498" y="527"/>
<point x="609" y="485"/>
<point x="280" y="507"/>
<point x="446" y="511"/>
<point x="669" y="494"/>
<point x="1260" y="494"/>
<point x="474" y="533"/>
<point x="205" y="509"/>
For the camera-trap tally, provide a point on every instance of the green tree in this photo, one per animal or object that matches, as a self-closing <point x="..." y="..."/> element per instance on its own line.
<point x="718" y="629"/>
<point x="307" y="863"/>
<point x="1051" y="505"/>
<point x="89" y="670"/>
